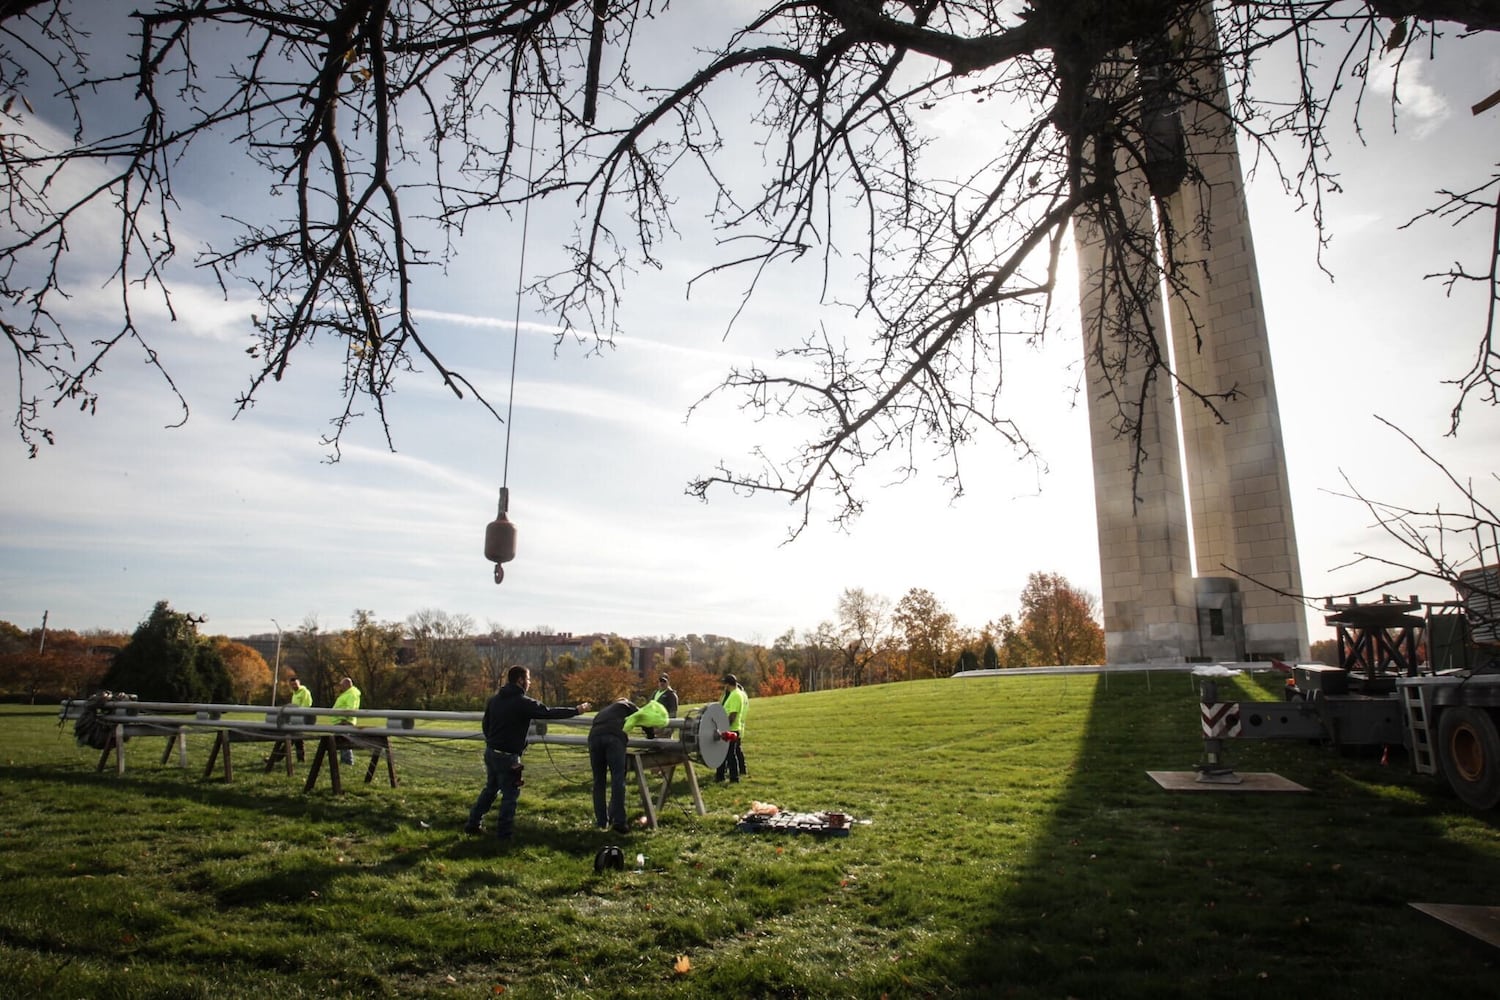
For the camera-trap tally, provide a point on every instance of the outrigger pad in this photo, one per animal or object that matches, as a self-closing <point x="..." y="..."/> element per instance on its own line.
<point x="1482" y="922"/>
<point x="1250" y="781"/>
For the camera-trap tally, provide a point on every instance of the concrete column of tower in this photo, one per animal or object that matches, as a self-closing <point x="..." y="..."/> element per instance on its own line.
<point x="1238" y="496"/>
<point x="1147" y="598"/>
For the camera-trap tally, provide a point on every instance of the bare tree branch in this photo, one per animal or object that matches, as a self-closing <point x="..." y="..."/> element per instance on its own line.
<point x="390" y="125"/>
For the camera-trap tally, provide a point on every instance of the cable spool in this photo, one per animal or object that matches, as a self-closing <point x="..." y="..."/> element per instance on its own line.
<point x="500" y="537"/>
<point x="702" y="734"/>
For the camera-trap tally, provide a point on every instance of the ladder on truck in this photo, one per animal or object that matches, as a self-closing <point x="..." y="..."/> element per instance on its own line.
<point x="1416" y="701"/>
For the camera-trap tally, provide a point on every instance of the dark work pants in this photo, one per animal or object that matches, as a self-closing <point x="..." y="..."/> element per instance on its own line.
<point x="607" y="759"/>
<point x="500" y="770"/>
<point x="734" y="761"/>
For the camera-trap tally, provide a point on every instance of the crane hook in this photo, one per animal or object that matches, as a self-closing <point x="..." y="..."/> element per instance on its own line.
<point x="500" y="537"/>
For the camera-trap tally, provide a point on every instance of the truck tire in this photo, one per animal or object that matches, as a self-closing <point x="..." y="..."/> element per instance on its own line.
<point x="1469" y="751"/>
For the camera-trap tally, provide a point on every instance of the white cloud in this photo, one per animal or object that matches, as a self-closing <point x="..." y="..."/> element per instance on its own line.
<point x="1406" y="84"/>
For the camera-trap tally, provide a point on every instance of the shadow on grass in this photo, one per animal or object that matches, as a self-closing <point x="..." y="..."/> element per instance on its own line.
<point x="250" y="795"/>
<point x="315" y="877"/>
<point x="1133" y="891"/>
<point x="372" y="806"/>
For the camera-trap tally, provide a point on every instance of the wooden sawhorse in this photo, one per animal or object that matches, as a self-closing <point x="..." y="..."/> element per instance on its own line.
<point x="665" y="763"/>
<point x="176" y="738"/>
<point x="330" y="744"/>
<point x="223" y="740"/>
<point x="282" y="750"/>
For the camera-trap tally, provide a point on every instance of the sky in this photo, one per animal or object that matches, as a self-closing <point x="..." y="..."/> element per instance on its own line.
<point x="243" y="519"/>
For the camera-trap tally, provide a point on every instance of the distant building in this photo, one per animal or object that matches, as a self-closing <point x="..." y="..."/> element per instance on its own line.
<point x="533" y="650"/>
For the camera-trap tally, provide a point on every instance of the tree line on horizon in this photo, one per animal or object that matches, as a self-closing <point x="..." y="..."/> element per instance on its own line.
<point x="432" y="659"/>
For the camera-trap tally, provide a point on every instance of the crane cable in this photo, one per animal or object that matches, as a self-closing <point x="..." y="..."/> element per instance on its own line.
<point x="515" y="339"/>
<point x="500" y="534"/>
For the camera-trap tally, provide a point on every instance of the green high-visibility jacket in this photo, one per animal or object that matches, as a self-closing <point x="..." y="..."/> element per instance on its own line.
<point x="350" y="700"/>
<point x="648" y="716"/>
<point x="735" y="704"/>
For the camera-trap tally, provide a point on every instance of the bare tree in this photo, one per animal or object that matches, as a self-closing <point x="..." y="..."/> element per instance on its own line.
<point x="373" y="652"/>
<point x="323" y="659"/>
<point x="444" y="653"/>
<point x="864" y="632"/>
<point x="820" y="653"/>
<point x="497" y="654"/>
<point x="388" y="126"/>
<point x="1457" y="546"/>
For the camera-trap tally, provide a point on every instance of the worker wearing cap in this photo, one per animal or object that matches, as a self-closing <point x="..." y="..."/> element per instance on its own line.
<point x="666" y="698"/>
<point x="607" y="742"/>
<point x="735" y="702"/>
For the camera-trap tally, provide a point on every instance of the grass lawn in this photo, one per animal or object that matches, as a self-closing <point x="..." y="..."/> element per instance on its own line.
<point x="1015" y="848"/>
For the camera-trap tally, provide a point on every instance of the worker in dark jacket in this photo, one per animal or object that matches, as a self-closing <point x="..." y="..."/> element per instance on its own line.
<point x="507" y="720"/>
<point x="607" y="743"/>
<point x="667" y="698"/>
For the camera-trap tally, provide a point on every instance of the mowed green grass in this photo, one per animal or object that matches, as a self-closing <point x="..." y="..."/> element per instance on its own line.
<point x="1015" y="848"/>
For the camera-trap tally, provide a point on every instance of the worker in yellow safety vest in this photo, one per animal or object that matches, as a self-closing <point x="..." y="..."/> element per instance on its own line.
<point x="735" y="702"/>
<point x="301" y="698"/>
<point x="348" y="699"/>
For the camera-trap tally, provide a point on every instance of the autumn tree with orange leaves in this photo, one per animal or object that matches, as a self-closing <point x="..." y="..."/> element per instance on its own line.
<point x="1058" y="625"/>
<point x="249" y="673"/>
<point x="58" y="664"/>
<point x="777" y="681"/>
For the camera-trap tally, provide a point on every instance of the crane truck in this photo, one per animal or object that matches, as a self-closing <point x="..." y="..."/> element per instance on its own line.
<point x="1444" y="709"/>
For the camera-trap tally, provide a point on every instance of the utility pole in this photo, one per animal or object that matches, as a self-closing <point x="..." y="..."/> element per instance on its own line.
<point x="276" y="671"/>
<point x="42" y="645"/>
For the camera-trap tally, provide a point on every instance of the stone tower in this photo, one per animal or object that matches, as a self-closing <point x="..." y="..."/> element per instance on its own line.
<point x="1235" y="512"/>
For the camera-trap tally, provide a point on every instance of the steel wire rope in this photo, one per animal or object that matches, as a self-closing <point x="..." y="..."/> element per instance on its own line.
<point x="589" y="781"/>
<point x="447" y="758"/>
<point x="422" y="756"/>
<point x="515" y="338"/>
<point x="250" y="733"/>
<point x="565" y="774"/>
<point x="500" y="534"/>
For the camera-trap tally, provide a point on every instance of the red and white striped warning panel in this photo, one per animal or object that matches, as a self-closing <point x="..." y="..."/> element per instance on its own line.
<point x="1221" y="721"/>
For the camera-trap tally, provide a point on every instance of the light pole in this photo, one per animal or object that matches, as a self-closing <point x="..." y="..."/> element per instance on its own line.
<point x="276" y="672"/>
